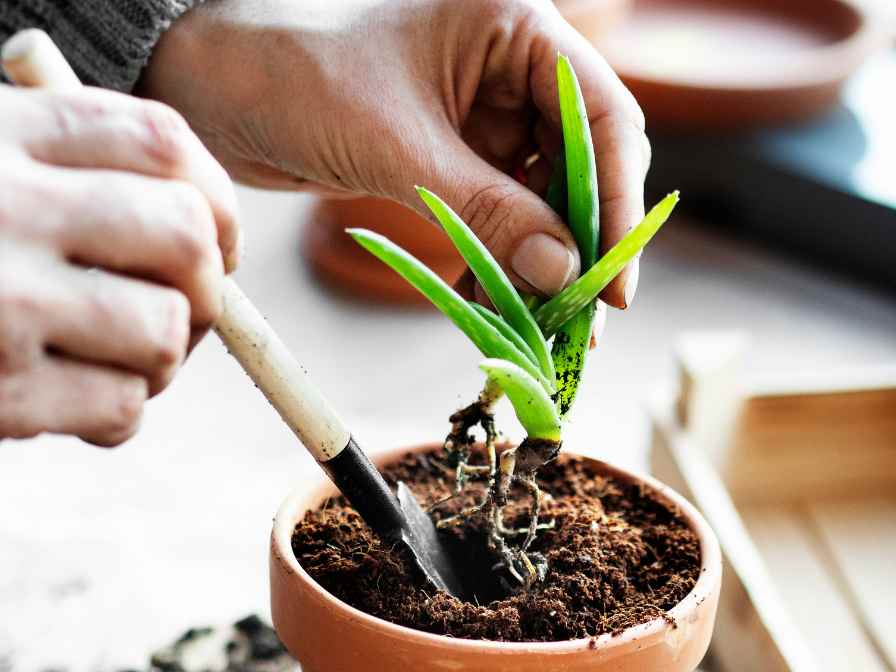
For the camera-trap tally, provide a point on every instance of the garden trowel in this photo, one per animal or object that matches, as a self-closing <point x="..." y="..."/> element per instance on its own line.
<point x="398" y="518"/>
<point x="31" y="59"/>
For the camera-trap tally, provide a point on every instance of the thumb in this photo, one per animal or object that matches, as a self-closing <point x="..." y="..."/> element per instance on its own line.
<point x="526" y="237"/>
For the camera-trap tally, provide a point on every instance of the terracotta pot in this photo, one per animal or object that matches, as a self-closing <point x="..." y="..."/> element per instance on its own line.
<point x="594" y="18"/>
<point x="327" y="635"/>
<point x="704" y="64"/>
<point x="341" y="263"/>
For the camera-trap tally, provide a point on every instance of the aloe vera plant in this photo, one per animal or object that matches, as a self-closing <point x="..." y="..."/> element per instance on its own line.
<point x="535" y="351"/>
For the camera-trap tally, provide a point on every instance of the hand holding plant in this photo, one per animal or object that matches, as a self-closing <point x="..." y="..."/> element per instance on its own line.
<point x="539" y="379"/>
<point x="351" y="97"/>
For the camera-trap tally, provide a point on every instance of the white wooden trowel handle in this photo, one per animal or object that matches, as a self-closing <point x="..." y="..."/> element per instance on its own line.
<point x="31" y="59"/>
<point x="278" y="374"/>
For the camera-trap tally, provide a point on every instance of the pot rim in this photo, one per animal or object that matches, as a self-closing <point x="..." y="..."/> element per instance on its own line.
<point x="298" y="503"/>
<point x="823" y="65"/>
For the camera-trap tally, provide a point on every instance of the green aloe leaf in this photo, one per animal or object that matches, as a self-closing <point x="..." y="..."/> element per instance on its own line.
<point x="581" y="169"/>
<point x="570" y="352"/>
<point x="532" y="301"/>
<point x="534" y="408"/>
<point x="483" y="335"/>
<point x="492" y="278"/>
<point x="571" y="300"/>
<point x="572" y="340"/>
<point x="506" y="330"/>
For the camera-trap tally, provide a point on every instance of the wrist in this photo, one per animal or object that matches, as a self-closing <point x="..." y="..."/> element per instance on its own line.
<point x="174" y="72"/>
<point x="206" y="68"/>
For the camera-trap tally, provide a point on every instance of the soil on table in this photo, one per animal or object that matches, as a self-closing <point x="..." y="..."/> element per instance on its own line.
<point x="617" y="556"/>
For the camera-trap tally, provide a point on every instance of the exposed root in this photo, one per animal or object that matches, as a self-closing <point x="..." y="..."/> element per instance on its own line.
<point x="519" y="531"/>
<point x="515" y="465"/>
<point x="532" y="487"/>
<point x="460" y="439"/>
<point x="462" y="515"/>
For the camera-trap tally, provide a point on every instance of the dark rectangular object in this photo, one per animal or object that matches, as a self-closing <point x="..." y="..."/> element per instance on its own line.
<point x="825" y="189"/>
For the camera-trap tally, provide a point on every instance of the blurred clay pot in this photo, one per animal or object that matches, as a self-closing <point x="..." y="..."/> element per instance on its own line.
<point x="339" y="262"/>
<point x="327" y="635"/>
<point x="723" y="64"/>
<point x="594" y="18"/>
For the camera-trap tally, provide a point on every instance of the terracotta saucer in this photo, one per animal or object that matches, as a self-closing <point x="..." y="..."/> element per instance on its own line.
<point x="701" y="64"/>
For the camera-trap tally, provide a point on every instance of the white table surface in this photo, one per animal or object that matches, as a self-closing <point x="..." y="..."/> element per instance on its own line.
<point x="105" y="555"/>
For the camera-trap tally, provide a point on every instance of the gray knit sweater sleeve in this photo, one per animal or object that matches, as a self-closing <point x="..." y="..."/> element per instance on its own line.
<point x="107" y="42"/>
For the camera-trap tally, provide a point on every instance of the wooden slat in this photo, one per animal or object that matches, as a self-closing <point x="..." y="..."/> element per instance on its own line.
<point x="860" y="535"/>
<point x="849" y="379"/>
<point x="709" y="379"/>
<point x="786" y="438"/>
<point x="822" y="612"/>
<point x="754" y="632"/>
<point x="779" y="462"/>
<point x="832" y="418"/>
<point x="791" y="447"/>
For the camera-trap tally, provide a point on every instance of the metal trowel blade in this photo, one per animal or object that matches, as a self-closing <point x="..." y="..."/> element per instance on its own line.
<point x="428" y="548"/>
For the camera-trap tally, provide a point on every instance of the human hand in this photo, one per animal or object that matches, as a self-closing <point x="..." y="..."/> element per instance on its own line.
<point x="375" y="96"/>
<point x="113" y="220"/>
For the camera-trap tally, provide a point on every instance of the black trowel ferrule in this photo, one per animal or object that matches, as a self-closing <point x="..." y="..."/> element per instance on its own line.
<point x="394" y="518"/>
<point x="366" y="490"/>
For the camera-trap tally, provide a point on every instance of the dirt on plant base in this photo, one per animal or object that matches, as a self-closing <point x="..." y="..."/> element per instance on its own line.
<point x="617" y="556"/>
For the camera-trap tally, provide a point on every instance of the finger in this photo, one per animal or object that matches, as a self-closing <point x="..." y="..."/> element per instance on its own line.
<point x="617" y="128"/>
<point x="63" y="396"/>
<point x="94" y="128"/>
<point x="22" y="267"/>
<point x="621" y="198"/>
<point x="501" y="137"/>
<point x="160" y="230"/>
<point x="130" y="324"/>
<point x="528" y="240"/>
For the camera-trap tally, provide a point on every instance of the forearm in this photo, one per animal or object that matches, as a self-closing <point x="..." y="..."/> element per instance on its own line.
<point x="107" y="42"/>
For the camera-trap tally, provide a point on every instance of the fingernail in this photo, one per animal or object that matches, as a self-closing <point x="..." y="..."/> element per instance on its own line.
<point x="631" y="284"/>
<point x="545" y="263"/>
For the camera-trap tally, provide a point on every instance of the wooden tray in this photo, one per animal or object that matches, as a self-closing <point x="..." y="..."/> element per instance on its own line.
<point x="798" y="478"/>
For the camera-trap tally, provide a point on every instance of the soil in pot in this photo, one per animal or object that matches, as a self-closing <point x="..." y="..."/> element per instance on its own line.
<point x="618" y="556"/>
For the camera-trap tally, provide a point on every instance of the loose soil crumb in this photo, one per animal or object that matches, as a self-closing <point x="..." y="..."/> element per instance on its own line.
<point x="618" y="556"/>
